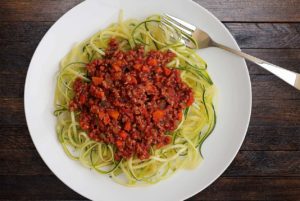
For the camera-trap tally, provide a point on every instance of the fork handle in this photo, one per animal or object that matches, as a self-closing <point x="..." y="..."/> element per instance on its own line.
<point x="288" y="76"/>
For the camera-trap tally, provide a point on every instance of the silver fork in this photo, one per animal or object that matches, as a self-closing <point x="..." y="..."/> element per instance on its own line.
<point x="204" y="40"/>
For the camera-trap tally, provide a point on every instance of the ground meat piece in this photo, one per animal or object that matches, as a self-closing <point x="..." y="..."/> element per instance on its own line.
<point x="132" y="101"/>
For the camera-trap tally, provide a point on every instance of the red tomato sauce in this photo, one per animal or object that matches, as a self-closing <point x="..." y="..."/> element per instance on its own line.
<point x="132" y="101"/>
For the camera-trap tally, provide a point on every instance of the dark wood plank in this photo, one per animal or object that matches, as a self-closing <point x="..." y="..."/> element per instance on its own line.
<point x="15" y="138"/>
<point x="12" y="82"/>
<point x="225" y="188"/>
<point x="270" y="87"/>
<point x="248" y="35"/>
<point x="286" y="58"/>
<point x="35" y="188"/>
<point x="230" y="10"/>
<point x="22" y="162"/>
<point x="265" y="163"/>
<point x="258" y="138"/>
<point x="265" y="112"/>
<point x="35" y="10"/>
<point x="18" y="55"/>
<point x="276" y="113"/>
<point x="20" y="48"/>
<point x="266" y="168"/>
<point x="266" y="35"/>
<point x="279" y="138"/>
<point x="13" y="111"/>
<point x="252" y="188"/>
<point x="254" y="10"/>
<point x="23" y="31"/>
<point x="264" y="84"/>
<point x="246" y="163"/>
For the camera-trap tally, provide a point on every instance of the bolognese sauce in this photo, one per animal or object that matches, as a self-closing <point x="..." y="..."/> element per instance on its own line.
<point x="132" y="101"/>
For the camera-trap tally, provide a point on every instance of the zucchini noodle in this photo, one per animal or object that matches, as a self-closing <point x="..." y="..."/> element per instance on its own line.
<point x="198" y="122"/>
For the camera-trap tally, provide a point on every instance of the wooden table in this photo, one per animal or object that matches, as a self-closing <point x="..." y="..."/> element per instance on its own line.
<point x="266" y="168"/>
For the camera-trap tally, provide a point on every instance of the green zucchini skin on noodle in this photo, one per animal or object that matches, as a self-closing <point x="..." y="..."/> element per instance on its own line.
<point x="197" y="124"/>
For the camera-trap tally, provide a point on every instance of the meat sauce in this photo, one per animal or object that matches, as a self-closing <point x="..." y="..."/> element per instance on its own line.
<point x="132" y="101"/>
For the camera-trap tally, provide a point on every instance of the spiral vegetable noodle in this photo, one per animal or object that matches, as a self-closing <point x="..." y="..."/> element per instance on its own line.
<point x="197" y="123"/>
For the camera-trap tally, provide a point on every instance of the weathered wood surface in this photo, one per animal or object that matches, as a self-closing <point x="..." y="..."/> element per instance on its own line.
<point x="266" y="168"/>
<point x="225" y="189"/>
<point x="225" y="10"/>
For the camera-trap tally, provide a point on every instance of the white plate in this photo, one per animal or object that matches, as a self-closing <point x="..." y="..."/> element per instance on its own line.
<point x="228" y="72"/>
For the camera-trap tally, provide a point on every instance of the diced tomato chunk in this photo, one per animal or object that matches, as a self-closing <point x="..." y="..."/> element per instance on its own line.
<point x="137" y="66"/>
<point x="116" y="67"/>
<point x="180" y="115"/>
<point x="158" y="70"/>
<point x="114" y="114"/>
<point x="97" y="80"/>
<point x="119" y="143"/>
<point x="101" y="114"/>
<point x="145" y="69"/>
<point x="167" y="139"/>
<point x="152" y="62"/>
<point x="123" y="134"/>
<point x="132" y="100"/>
<point x="167" y="71"/>
<point x="106" y="119"/>
<point x="159" y="145"/>
<point x="82" y="99"/>
<point x="190" y="101"/>
<point x="127" y="126"/>
<point x="158" y="115"/>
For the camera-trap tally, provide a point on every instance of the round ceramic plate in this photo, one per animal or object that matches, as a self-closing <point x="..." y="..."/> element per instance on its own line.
<point x="228" y="72"/>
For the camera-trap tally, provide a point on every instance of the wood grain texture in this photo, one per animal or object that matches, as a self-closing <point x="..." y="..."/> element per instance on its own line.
<point x="35" y="10"/>
<point x="275" y="112"/>
<point x="265" y="112"/>
<point x="259" y="138"/>
<point x="13" y="88"/>
<point x="266" y="35"/>
<point x="287" y="58"/>
<point x="12" y="112"/>
<point x="251" y="188"/>
<point x="15" y="138"/>
<point x="248" y="35"/>
<point x="266" y="168"/>
<point x="272" y="138"/>
<point x="225" y="188"/>
<point x="35" y="188"/>
<point x="229" y="10"/>
<point x="246" y="164"/>
<point x="254" y="10"/>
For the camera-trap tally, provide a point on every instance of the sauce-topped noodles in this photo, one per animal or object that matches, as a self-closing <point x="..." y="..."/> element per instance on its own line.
<point x="132" y="101"/>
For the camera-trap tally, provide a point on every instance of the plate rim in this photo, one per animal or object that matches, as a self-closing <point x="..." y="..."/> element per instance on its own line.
<point x="227" y="164"/>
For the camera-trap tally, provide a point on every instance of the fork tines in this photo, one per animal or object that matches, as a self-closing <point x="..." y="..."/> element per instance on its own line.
<point x="178" y="23"/>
